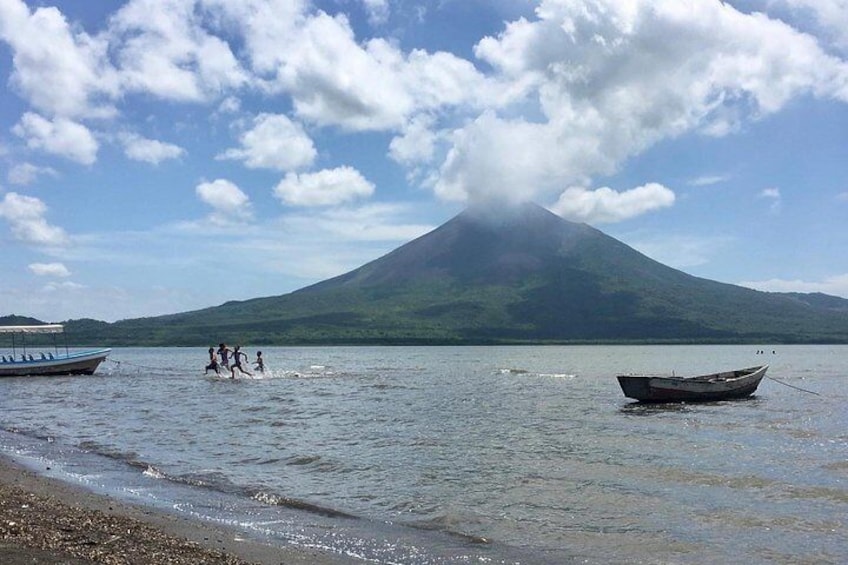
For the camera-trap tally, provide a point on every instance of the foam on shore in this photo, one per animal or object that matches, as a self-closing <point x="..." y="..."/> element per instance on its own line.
<point x="46" y="520"/>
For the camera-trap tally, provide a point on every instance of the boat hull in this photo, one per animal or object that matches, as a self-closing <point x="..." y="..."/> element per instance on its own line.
<point x="79" y="363"/>
<point x="706" y="388"/>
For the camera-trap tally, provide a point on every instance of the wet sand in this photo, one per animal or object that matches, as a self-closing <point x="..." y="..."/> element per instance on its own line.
<point x="47" y="521"/>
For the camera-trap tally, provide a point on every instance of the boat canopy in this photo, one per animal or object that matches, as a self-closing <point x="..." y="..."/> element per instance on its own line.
<point x="43" y="329"/>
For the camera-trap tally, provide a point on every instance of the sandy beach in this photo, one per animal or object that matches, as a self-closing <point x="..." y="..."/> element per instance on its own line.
<point x="43" y="521"/>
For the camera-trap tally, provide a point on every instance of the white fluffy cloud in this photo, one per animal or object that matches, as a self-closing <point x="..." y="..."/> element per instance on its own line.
<point x="49" y="269"/>
<point x="274" y="142"/>
<point x="25" y="215"/>
<point x="332" y="78"/>
<point x="510" y="160"/>
<point x="605" y="205"/>
<point x="613" y="78"/>
<point x="555" y="101"/>
<point x="323" y="188"/>
<point x="229" y="203"/>
<point x="417" y="144"/>
<point x="151" y="151"/>
<point x="60" y="136"/>
<point x="831" y="15"/>
<point x="163" y="49"/>
<point x="60" y="71"/>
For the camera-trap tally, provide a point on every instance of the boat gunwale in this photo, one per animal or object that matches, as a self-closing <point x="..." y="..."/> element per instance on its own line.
<point x="73" y="363"/>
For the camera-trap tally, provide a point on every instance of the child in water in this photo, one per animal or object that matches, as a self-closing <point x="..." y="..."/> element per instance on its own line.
<point x="213" y="362"/>
<point x="236" y="362"/>
<point x="259" y="364"/>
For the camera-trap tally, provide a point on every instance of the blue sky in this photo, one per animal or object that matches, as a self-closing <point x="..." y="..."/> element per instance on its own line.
<point x="169" y="155"/>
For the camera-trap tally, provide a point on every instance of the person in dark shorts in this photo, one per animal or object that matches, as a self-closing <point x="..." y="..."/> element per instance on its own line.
<point x="213" y="362"/>
<point x="236" y="362"/>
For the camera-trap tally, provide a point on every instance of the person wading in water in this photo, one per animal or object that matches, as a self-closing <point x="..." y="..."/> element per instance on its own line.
<point x="213" y="362"/>
<point x="237" y="355"/>
<point x="224" y="353"/>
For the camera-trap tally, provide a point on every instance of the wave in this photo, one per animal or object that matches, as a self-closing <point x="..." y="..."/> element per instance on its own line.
<point x="444" y="524"/>
<point x="514" y="371"/>
<point x="29" y="432"/>
<point x="278" y="500"/>
<point x="210" y="479"/>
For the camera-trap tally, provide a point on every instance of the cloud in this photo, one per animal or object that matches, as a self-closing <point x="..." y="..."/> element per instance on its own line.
<point x="61" y="136"/>
<point x="229" y="105"/>
<point x="330" y="76"/>
<point x="229" y="204"/>
<point x="157" y="47"/>
<point x="63" y="286"/>
<point x="60" y="71"/>
<point x="836" y="285"/>
<point x="772" y="194"/>
<point x="163" y="49"/>
<point x="150" y="151"/>
<point x="276" y="256"/>
<point x="377" y="10"/>
<point x="369" y="223"/>
<point x="318" y="243"/>
<point x="830" y="15"/>
<point x="572" y="92"/>
<point x="417" y="144"/>
<point x="275" y="142"/>
<point x="65" y="300"/>
<point x="49" y="269"/>
<point x="25" y="215"/>
<point x="506" y="160"/>
<point x="605" y="205"/>
<point x="709" y="180"/>
<point x="324" y="188"/>
<point x="605" y="80"/>
<point x="27" y="173"/>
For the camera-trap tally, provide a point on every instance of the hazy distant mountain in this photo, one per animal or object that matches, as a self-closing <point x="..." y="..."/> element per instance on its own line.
<point x="525" y="275"/>
<point x="15" y="320"/>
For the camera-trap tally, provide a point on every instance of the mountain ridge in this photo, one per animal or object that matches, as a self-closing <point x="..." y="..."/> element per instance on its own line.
<point x="523" y="276"/>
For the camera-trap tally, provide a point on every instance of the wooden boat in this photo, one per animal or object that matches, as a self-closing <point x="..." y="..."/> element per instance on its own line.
<point x="704" y="388"/>
<point x="23" y="362"/>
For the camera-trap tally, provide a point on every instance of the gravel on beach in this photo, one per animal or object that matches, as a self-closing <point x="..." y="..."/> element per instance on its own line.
<point x="46" y="521"/>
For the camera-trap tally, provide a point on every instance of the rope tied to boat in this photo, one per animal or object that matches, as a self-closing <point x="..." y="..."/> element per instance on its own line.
<point x="792" y="386"/>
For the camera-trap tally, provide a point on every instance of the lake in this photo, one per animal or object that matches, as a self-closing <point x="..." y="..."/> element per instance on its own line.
<point x="462" y="454"/>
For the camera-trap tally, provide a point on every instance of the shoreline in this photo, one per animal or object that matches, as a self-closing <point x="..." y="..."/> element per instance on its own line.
<point x="48" y="521"/>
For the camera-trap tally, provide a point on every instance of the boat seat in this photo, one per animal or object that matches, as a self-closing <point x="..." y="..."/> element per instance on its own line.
<point x="50" y="355"/>
<point x="30" y="357"/>
<point x="43" y="357"/>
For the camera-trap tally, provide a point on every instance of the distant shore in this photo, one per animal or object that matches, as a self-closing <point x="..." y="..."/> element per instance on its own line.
<point x="47" y="521"/>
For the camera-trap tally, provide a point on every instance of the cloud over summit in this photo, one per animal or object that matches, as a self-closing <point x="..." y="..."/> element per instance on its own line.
<point x="549" y="102"/>
<point x="224" y="119"/>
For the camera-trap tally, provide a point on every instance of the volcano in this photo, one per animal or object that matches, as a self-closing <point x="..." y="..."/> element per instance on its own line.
<point x="522" y="276"/>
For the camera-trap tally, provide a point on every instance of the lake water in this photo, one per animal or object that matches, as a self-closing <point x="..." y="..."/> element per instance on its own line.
<point x="462" y="454"/>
